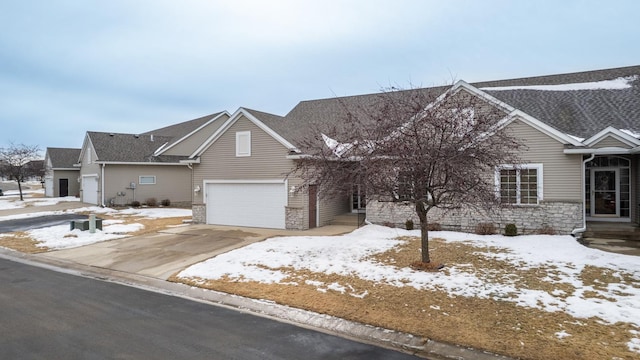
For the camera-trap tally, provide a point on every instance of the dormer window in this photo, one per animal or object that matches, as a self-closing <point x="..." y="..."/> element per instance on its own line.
<point x="243" y="143"/>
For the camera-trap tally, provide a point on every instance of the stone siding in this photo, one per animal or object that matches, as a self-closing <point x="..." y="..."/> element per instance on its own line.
<point x="562" y="217"/>
<point x="294" y="218"/>
<point x="199" y="214"/>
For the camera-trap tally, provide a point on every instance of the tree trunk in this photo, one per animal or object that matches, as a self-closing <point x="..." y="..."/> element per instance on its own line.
<point x="20" y="190"/>
<point x="424" y="231"/>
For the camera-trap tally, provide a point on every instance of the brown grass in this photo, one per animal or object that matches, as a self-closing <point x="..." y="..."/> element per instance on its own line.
<point x="493" y="325"/>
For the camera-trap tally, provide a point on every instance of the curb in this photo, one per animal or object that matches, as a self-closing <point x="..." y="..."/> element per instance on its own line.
<point x="399" y="341"/>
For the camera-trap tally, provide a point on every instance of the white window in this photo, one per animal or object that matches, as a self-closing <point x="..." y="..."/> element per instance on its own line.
<point x="519" y="184"/>
<point x="147" y="180"/>
<point x="243" y="143"/>
<point x="88" y="156"/>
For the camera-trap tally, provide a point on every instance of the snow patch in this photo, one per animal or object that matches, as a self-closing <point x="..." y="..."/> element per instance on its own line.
<point x="620" y="83"/>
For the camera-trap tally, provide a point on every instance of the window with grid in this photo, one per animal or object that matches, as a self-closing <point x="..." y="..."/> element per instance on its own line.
<point x="520" y="185"/>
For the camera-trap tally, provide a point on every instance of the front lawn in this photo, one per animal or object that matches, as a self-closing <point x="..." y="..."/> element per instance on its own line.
<point x="533" y="297"/>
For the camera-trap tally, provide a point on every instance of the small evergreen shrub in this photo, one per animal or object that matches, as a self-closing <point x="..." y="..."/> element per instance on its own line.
<point x="152" y="202"/>
<point x="485" y="229"/>
<point x="165" y="202"/>
<point x="434" y="227"/>
<point x="408" y="224"/>
<point x="510" y="230"/>
<point x="135" y="203"/>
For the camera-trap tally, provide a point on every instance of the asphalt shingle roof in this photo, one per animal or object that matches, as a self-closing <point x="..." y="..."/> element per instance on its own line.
<point x="581" y="113"/>
<point x="114" y="147"/>
<point x="178" y="131"/>
<point x="63" y="158"/>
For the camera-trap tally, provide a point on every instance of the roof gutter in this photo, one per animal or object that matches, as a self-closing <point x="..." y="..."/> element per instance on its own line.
<point x="189" y="162"/>
<point x="582" y="229"/>
<point x="139" y="163"/>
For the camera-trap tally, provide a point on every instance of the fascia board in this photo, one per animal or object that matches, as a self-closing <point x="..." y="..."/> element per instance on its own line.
<point x="162" y="150"/>
<point x="546" y="129"/>
<point x="616" y="134"/>
<point x="139" y="163"/>
<point x="232" y="120"/>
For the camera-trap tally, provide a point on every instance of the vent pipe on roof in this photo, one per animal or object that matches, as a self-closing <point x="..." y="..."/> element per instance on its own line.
<point x="151" y="137"/>
<point x="136" y="136"/>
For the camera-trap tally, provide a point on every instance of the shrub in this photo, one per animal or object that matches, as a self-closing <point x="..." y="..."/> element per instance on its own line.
<point x="135" y="203"/>
<point x="408" y="224"/>
<point x="485" y="229"/>
<point x="434" y="227"/>
<point x="510" y="230"/>
<point x="165" y="202"/>
<point x="151" y="202"/>
<point x="546" y="230"/>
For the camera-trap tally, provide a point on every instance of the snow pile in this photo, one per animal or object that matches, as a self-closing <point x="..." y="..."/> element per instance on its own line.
<point x="348" y="255"/>
<point x="60" y="237"/>
<point x="614" y="84"/>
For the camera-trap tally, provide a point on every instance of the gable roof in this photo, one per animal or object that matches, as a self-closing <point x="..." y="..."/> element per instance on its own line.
<point x="269" y="123"/>
<point x="63" y="158"/>
<point x="561" y="113"/>
<point x="181" y="131"/>
<point x="580" y="113"/>
<point x="129" y="148"/>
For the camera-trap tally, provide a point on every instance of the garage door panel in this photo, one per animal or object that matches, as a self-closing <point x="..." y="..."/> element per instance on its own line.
<point x="247" y="204"/>
<point x="90" y="189"/>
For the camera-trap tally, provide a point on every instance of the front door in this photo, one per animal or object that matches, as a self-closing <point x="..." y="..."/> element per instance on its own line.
<point x="605" y="194"/>
<point x="64" y="187"/>
<point x="313" y="205"/>
<point x="358" y="200"/>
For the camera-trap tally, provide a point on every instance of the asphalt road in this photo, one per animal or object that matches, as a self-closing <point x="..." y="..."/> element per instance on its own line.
<point x="50" y="315"/>
<point x="37" y="222"/>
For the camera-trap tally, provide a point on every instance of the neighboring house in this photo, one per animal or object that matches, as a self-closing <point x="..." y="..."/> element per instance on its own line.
<point x="118" y="169"/>
<point x="240" y="178"/>
<point x="61" y="176"/>
<point x="582" y="162"/>
<point x="582" y="132"/>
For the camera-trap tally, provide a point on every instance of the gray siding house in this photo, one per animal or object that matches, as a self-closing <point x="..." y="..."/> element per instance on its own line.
<point x="61" y="175"/>
<point x="117" y="169"/>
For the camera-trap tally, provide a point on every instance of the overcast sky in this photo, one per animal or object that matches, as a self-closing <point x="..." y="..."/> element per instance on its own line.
<point x="68" y="66"/>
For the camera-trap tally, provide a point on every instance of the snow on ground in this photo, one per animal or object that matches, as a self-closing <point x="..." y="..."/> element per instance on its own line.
<point x="60" y="237"/>
<point x="348" y="255"/>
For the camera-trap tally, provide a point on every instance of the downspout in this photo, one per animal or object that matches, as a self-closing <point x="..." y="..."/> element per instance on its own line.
<point x="190" y="166"/>
<point x="582" y="229"/>
<point x="102" y="186"/>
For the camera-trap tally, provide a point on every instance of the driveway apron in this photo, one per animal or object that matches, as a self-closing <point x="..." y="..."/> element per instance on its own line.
<point x="158" y="255"/>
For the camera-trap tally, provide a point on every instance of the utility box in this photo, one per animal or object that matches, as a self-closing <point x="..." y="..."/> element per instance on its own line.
<point x="83" y="225"/>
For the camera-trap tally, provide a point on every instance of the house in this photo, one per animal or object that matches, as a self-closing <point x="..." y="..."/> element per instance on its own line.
<point x="118" y="168"/>
<point x="582" y="162"/>
<point x="240" y="177"/>
<point x="61" y="176"/>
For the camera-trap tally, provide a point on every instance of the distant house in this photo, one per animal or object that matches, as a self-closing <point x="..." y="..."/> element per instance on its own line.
<point x="61" y="176"/>
<point x="118" y="169"/>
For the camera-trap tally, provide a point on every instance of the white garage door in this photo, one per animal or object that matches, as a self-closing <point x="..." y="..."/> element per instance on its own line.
<point x="90" y="189"/>
<point x="48" y="187"/>
<point x="247" y="204"/>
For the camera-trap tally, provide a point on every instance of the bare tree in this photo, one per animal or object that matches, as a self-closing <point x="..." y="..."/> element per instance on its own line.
<point x="15" y="163"/>
<point x="429" y="147"/>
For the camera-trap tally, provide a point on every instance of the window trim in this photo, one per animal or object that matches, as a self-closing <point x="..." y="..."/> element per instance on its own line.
<point x="240" y="135"/>
<point x="539" y="186"/>
<point x="140" y="182"/>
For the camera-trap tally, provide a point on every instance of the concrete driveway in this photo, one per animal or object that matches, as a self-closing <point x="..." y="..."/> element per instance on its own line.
<point x="165" y="253"/>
